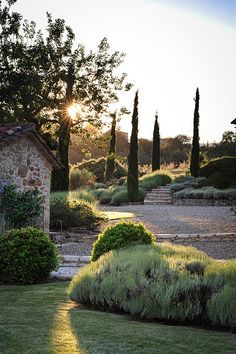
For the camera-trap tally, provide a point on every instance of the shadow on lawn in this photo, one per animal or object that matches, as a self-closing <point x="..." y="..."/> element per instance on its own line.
<point x="106" y="333"/>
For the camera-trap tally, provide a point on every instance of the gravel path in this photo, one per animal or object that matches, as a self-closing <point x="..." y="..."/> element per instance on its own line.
<point x="181" y="219"/>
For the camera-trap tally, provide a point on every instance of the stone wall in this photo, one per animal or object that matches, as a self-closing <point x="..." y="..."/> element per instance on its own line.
<point x="23" y="165"/>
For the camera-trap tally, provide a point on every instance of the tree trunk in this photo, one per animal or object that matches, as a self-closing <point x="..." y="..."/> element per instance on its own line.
<point x="132" y="179"/>
<point x="110" y="164"/>
<point x="195" y="152"/>
<point x="60" y="178"/>
<point x="156" y="146"/>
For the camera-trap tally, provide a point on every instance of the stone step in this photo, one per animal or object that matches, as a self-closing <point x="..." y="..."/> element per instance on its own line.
<point x="154" y="202"/>
<point x="74" y="261"/>
<point x="158" y="195"/>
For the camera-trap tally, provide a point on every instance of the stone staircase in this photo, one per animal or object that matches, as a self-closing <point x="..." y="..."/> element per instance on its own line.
<point x="160" y="196"/>
<point x="69" y="266"/>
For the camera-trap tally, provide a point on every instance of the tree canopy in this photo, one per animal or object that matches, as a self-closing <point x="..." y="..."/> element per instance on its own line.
<point x="41" y="75"/>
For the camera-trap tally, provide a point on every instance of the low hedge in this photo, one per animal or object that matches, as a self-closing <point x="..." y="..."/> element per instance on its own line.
<point x="122" y="234"/>
<point x="164" y="282"/>
<point x="27" y="256"/>
<point x="153" y="180"/>
<point x="74" y="213"/>
<point x="206" y="193"/>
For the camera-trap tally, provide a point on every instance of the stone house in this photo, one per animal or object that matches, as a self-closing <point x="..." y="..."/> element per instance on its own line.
<point x="27" y="162"/>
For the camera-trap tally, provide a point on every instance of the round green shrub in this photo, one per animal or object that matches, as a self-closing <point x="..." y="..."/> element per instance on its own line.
<point x="122" y="234"/>
<point x="219" y="180"/>
<point x="225" y="166"/>
<point x="27" y="255"/>
<point x="105" y="197"/>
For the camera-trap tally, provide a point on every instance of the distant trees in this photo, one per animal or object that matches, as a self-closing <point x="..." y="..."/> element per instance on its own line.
<point x="110" y="163"/>
<point x="195" y="152"/>
<point x="226" y="147"/>
<point x="156" y="159"/>
<point x="132" y="179"/>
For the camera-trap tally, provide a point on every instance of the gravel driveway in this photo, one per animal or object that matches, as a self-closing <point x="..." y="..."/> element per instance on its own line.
<point x="181" y="219"/>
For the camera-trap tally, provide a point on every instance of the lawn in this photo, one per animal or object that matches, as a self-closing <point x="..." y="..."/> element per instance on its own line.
<point x="41" y="319"/>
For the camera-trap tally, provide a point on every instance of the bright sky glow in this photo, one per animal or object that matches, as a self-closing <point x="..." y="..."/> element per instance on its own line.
<point x="73" y="110"/>
<point x="171" y="48"/>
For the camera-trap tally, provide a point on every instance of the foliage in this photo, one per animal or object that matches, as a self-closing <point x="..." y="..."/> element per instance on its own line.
<point x="22" y="208"/>
<point x="206" y="193"/>
<point x="154" y="179"/>
<point x="120" y="235"/>
<point x="80" y="178"/>
<point x="56" y="73"/>
<point x="73" y="213"/>
<point x="121" y="196"/>
<point x="222" y="306"/>
<point x="79" y="194"/>
<point x="105" y="196"/>
<point x="97" y="167"/>
<point x="27" y="255"/>
<point x="110" y="163"/>
<point x="156" y="158"/>
<point x="194" y="160"/>
<point x="155" y="282"/>
<point x="132" y="178"/>
<point x="188" y="183"/>
<point x="225" y="168"/>
<point x="219" y="180"/>
<point x="226" y="147"/>
<point x="183" y="179"/>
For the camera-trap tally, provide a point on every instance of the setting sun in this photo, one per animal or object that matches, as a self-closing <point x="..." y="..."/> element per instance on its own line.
<point x="73" y="110"/>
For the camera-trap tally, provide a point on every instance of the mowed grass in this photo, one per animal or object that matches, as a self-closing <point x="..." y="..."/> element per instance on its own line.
<point x="41" y="319"/>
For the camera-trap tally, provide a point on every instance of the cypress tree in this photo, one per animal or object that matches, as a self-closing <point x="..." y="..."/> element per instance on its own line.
<point x="110" y="164"/>
<point x="156" y="146"/>
<point x="195" y="152"/>
<point x="132" y="179"/>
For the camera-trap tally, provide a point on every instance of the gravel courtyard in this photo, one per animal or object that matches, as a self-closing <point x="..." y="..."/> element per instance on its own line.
<point x="171" y="219"/>
<point x="182" y="219"/>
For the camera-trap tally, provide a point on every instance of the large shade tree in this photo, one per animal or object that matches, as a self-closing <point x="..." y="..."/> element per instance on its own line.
<point x="41" y="76"/>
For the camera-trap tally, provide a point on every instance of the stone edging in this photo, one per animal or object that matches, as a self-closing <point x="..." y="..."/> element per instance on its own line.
<point x="227" y="236"/>
<point x="203" y="202"/>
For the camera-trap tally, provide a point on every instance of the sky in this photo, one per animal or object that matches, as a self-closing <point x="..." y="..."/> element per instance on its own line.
<point x="171" y="46"/>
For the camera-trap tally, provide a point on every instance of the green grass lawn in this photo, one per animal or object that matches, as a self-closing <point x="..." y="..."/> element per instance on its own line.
<point x="41" y="319"/>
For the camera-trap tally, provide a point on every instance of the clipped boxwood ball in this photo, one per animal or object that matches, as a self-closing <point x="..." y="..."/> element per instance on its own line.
<point x="120" y="235"/>
<point x="27" y="256"/>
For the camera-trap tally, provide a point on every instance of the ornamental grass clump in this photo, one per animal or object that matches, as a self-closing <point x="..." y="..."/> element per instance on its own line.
<point x="153" y="180"/>
<point x="165" y="282"/>
<point x="120" y="235"/>
<point x="27" y="256"/>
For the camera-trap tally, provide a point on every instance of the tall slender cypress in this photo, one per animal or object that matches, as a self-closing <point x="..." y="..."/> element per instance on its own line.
<point x="110" y="164"/>
<point x="156" y="146"/>
<point x="132" y="179"/>
<point x="194" y="160"/>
